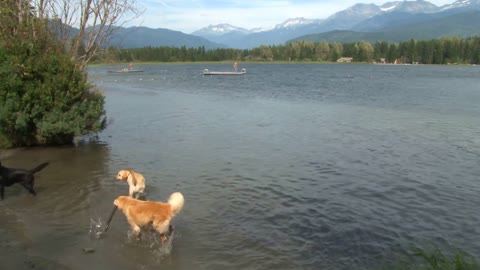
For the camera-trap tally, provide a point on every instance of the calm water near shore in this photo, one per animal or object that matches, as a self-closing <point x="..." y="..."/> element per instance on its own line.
<point x="292" y="166"/>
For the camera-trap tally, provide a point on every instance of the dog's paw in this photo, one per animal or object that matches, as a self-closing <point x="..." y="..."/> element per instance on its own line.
<point x="163" y="237"/>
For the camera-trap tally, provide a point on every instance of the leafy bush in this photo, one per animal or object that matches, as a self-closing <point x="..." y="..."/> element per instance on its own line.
<point x="44" y="98"/>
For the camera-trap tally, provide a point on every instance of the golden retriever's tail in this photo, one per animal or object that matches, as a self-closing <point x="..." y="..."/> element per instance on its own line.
<point x="176" y="201"/>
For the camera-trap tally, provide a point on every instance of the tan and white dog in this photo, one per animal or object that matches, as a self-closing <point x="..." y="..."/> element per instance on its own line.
<point x="135" y="180"/>
<point x="141" y="214"/>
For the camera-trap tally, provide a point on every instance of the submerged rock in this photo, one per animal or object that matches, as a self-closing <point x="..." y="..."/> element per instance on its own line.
<point x="88" y="250"/>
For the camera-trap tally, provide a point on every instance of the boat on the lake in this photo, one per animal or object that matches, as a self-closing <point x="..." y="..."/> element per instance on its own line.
<point x="235" y="72"/>
<point x="126" y="70"/>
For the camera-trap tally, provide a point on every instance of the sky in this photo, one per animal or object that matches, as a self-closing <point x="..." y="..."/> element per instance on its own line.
<point x="189" y="16"/>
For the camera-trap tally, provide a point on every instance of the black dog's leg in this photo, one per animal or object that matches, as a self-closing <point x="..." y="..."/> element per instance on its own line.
<point x="2" y="190"/>
<point x="30" y="189"/>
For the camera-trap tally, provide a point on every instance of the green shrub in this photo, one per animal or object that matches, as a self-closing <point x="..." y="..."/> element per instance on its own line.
<point x="44" y="98"/>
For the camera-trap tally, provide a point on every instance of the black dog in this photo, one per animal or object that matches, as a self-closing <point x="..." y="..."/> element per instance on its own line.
<point x="10" y="176"/>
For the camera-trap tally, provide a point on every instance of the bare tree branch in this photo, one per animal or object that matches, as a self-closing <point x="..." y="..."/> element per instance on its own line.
<point x="94" y="22"/>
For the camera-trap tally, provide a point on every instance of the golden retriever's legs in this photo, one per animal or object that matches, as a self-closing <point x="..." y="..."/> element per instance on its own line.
<point x="131" y="190"/>
<point x="161" y="228"/>
<point x="136" y="230"/>
<point x="139" y="196"/>
<point x="163" y="237"/>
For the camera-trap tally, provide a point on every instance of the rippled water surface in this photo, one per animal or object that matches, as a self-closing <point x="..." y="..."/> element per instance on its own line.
<point x="288" y="167"/>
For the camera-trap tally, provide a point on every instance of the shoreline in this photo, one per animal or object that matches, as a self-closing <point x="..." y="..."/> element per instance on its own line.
<point x="266" y="62"/>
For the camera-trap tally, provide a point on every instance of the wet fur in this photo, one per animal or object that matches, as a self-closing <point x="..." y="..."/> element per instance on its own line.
<point x="141" y="214"/>
<point x="135" y="180"/>
<point x="24" y="177"/>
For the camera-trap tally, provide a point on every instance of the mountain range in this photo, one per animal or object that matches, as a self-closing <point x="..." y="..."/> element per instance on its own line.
<point x="392" y="22"/>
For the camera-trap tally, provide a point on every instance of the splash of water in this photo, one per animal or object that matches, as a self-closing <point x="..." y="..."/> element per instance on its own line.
<point x="96" y="228"/>
<point x="160" y="249"/>
<point x="152" y="241"/>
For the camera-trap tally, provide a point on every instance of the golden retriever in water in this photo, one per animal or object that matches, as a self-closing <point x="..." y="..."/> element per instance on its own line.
<point x="140" y="214"/>
<point x="135" y="180"/>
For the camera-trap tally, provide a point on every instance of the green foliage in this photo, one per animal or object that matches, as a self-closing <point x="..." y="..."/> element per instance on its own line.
<point x="437" y="51"/>
<point x="434" y="259"/>
<point x="44" y="98"/>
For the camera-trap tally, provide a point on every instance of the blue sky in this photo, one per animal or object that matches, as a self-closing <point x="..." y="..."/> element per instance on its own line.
<point x="188" y="16"/>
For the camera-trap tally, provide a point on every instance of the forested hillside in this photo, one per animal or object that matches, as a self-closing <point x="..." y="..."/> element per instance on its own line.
<point x="435" y="51"/>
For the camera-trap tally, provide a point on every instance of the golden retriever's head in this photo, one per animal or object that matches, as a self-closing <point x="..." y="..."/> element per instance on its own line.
<point x="123" y="175"/>
<point x="121" y="202"/>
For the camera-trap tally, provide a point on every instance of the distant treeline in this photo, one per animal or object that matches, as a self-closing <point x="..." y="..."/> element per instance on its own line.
<point x="438" y="51"/>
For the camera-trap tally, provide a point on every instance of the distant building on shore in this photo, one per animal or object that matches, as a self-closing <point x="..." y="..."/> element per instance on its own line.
<point x="345" y="60"/>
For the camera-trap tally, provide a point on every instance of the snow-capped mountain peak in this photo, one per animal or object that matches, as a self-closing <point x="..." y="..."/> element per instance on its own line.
<point x="388" y="7"/>
<point x="294" y="22"/>
<point x="220" y="29"/>
<point x="359" y="17"/>
<point x="416" y="6"/>
<point x="462" y="4"/>
<point x="260" y="29"/>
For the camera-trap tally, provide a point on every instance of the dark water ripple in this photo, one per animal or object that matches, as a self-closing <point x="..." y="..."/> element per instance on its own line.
<point x="290" y="167"/>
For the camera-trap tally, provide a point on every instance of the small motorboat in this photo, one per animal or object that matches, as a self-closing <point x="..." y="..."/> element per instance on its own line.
<point x="243" y="71"/>
<point x="125" y="70"/>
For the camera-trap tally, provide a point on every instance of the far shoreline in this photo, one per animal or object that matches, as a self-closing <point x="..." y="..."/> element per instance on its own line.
<point x="266" y="62"/>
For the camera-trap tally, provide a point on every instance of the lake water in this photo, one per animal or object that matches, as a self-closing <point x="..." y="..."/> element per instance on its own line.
<point x="292" y="166"/>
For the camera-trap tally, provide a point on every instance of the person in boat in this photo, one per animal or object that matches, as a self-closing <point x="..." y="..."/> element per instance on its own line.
<point x="235" y="66"/>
